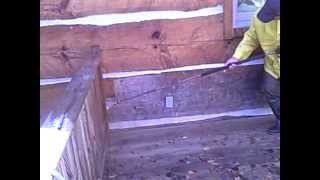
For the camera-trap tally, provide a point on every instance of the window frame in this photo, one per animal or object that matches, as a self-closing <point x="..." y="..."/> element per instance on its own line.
<point x="235" y="25"/>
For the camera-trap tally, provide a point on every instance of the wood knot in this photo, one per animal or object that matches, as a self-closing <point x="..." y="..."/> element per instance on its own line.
<point x="156" y="35"/>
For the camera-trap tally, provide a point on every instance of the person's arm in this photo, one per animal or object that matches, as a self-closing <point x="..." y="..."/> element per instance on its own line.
<point x="247" y="45"/>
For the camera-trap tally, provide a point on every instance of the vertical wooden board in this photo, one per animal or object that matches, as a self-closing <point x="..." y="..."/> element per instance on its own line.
<point x="82" y="140"/>
<point x="92" y="115"/>
<point x="71" y="158"/>
<point x="94" y="112"/>
<point x="78" y="137"/>
<point x="76" y="156"/>
<point x="228" y="19"/>
<point x="86" y="144"/>
<point x="63" y="167"/>
<point x="103" y="127"/>
<point x="102" y="121"/>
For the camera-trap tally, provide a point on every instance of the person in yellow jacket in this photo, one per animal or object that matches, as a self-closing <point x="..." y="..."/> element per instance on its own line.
<point x="265" y="31"/>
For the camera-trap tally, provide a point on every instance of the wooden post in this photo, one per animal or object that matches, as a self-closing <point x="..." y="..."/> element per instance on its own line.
<point x="228" y="19"/>
<point x="58" y="125"/>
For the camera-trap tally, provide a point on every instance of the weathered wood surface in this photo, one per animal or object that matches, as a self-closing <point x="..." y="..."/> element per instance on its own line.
<point x="81" y="112"/>
<point x="143" y="97"/>
<point x="68" y="106"/>
<point x="67" y="9"/>
<point x="156" y="44"/>
<point x="49" y="95"/>
<point x="206" y="150"/>
<point x="228" y="19"/>
<point x="85" y="151"/>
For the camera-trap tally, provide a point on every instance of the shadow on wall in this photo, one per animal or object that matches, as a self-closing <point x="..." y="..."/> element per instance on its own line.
<point x="158" y="96"/>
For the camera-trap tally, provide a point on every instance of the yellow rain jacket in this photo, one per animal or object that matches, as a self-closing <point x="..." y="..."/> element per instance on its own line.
<point x="267" y="35"/>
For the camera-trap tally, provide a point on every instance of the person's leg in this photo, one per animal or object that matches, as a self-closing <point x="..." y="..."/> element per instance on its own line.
<point x="271" y="89"/>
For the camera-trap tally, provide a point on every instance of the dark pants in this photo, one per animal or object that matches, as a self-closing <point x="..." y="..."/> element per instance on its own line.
<point x="271" y="89"/>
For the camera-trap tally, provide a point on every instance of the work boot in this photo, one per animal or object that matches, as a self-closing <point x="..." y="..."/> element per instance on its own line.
<point x="275" y="129"/>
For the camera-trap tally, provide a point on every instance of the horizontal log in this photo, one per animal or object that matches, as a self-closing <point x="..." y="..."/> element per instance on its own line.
<point x="66" y="9"/>
<point x="133" y="35"/>
<point x="158" y="44"/>
<point x="165" y="57"/>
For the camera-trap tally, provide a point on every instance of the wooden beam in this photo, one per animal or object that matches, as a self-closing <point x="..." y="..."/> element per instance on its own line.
<point x="228" y="19"/>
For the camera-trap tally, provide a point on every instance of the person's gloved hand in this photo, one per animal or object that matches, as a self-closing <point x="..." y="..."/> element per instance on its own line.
<point x="231" y="61"/>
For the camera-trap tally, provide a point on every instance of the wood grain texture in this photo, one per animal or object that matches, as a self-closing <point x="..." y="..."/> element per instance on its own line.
<point x="66" y="9"/>
<point x="157" y="44"/>
<point x="228" y="19"/>
<point x="81" y="111"/>
<point x="205" y="150"/>
<point x="85" y="150"/>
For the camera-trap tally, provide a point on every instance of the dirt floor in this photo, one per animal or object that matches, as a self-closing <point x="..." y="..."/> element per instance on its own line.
<point x="226" y="149"/>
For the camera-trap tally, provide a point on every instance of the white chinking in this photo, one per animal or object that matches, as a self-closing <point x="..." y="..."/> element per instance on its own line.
<point x="119" y="18"/>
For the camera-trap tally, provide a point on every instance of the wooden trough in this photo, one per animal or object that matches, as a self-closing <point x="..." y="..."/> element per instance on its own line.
<point x="73" y="134"/>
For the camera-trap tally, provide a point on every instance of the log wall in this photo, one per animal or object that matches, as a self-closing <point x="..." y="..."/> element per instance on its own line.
<point x="153" y="45"/>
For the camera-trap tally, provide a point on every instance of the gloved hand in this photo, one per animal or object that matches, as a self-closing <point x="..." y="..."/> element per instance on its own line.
<point x="231" y="62"/>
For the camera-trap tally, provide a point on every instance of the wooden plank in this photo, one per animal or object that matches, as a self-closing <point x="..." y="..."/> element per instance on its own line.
<point x="228" y="19"/>
<point x="61" y="9"/>
<point x="85" y="142"/>
<point x="206" y="149"/>
<point x="100" y="124"/>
